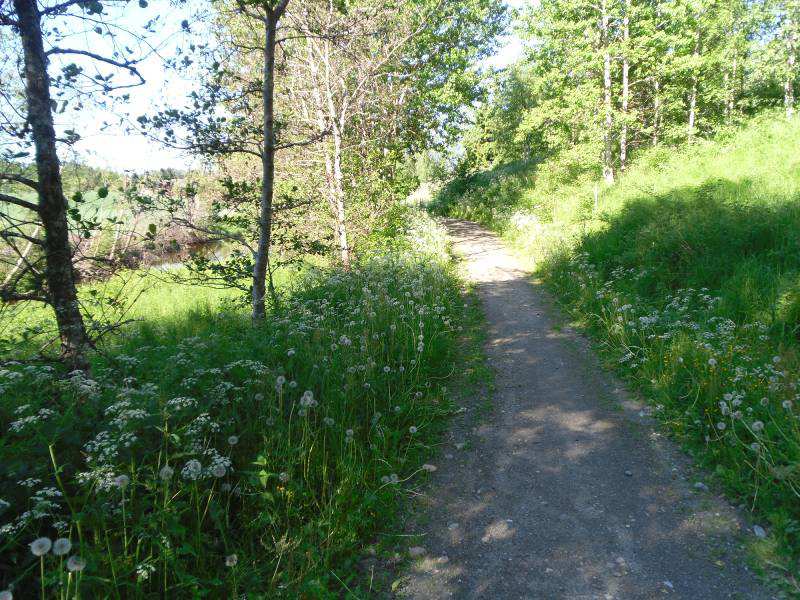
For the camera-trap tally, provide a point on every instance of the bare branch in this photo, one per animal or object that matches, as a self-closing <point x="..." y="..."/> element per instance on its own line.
<point x="19" y="202"/>
<point x="19" y="179"/>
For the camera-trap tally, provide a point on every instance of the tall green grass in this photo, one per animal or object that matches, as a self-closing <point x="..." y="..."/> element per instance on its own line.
<point x="208" y="457"/>
<point x="687" y="274"/>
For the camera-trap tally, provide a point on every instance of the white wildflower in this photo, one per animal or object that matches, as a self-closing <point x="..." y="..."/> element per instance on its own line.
<point x="192" y="470"/>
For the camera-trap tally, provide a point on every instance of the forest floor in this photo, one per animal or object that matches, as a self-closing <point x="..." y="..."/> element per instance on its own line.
<point x="566" y="489"/>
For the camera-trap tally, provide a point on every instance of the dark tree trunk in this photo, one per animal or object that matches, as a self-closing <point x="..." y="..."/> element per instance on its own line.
<point x="262" y="273"/>
<point x="59" y="272"/>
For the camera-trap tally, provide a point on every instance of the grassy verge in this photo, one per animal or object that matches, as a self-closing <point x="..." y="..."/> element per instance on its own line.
<point x="687" y="274"/>
<point x="209" y="458"/>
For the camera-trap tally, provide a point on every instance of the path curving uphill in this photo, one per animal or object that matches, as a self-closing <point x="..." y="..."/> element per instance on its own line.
<point x="566" y="491"/>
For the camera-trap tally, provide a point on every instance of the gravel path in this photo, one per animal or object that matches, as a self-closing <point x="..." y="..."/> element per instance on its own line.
<point x="566" y="490"/>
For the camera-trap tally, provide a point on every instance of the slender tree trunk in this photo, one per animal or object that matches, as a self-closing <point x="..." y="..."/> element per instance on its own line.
<point x="59" y="273"/>
<point x="23" y="258"/>
<point x="691" y="126"/>
<point x="262" y="274"/>
<point x="338" y="194"/>
<point x="656" y="109"/>
<point x="608" y="167"/>
<point x="791" y="50"/>
<point x="623" y="136"/>
<point x="731" y="105"/>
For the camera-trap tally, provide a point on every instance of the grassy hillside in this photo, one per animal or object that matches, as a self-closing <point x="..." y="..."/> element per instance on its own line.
<point x="687" y="273"/>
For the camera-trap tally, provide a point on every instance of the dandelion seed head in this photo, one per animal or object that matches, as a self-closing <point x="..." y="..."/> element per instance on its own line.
<point x="75" y="564"/>
<point x="122" y="481"/>
<point x="712" y="362"/>
<point x="412" y="430"/>
<point x="6" y="595"/>
<point x="721" y="426"/>
<point x="166" y="473"/>
<point x="41" y="546"/>
<point x="62" y="546"/>
<point x="757" y="426"/>
<point x="283" y="477"/>
<point x="233" y="440"/>
<point x="231" y="560"/>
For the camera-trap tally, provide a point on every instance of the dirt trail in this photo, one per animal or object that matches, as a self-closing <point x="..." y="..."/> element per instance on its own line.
<point x="565" y="490"/>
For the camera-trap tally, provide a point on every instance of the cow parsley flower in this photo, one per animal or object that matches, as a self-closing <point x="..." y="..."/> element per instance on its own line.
<point x="192" y="470"/>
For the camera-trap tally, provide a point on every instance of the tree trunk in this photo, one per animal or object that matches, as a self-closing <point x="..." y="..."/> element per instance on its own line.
<point x="731" y="106"/>
<point x="59" y="273"/>
<point x="656" y="109"/>
<point x="338" y="192"/>
<point x="262" y="274"/>
<point x="623" y="136"/>
<point x="791" y="49"/>
<point x="690" y="129"/>
<point x="608" y="168"/>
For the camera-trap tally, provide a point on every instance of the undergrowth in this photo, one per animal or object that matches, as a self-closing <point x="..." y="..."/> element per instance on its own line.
<point x="207" y="457"/>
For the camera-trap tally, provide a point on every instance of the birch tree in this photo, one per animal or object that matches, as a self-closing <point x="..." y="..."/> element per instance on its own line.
<point x="38" y="230"/>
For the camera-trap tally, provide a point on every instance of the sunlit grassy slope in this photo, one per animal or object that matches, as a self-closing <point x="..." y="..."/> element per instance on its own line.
<point x="687" y="273"/>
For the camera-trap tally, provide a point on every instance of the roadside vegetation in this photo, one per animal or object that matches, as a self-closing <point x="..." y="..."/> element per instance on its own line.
<point x="687" y="275"/>
<point x="642" y="157"/>
<point x="207" y="457"/>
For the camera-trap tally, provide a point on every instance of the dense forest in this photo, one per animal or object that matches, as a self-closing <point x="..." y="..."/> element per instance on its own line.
<point x="227" y="378"/>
